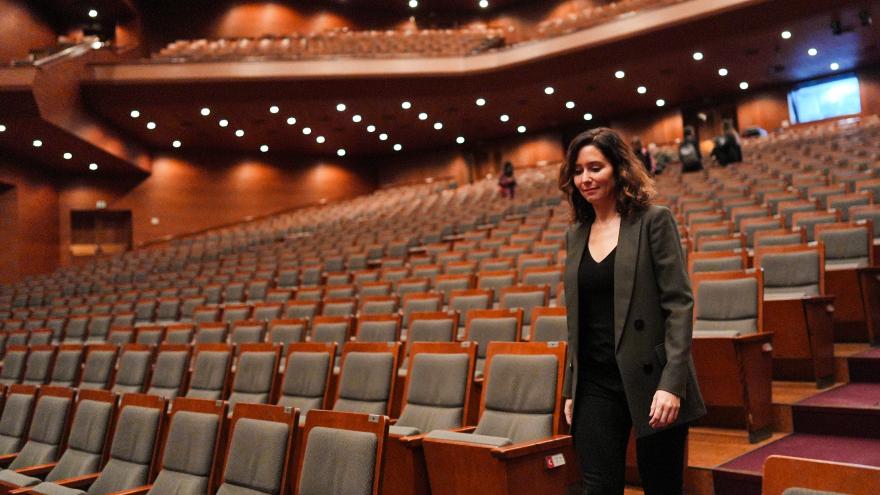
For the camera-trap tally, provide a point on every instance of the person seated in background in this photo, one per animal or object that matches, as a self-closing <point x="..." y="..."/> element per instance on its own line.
<point x="689" y="152"/>
<point x="507" y="182"/>
<point x="728" y="146"/>
<point x="643" y="155"/>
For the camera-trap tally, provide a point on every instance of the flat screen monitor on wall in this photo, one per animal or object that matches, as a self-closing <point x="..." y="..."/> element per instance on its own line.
<point x="824" y="99"/>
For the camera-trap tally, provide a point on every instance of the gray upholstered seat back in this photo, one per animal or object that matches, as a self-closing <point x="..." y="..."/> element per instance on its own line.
<point x="231" y="314"/>
<point x="167" y="309"/>
<point x="809" y="224"/>
<point x="463" y="304"/>
<point x="256" y="460"/>
<point x="485" y="330"/>
<point x="525" y="300"/>
<point x="211" y="335"/>
<point x="266" y="313"/>
<point x="307" y="311"/>
<point x="330" y="332"/>
<point x="44" y="436"/>
<point x="339" y="308"/>
<point x="253" y="378"/>
<point x="437" y="386"/>
<point x="382" y="307"/>
<point x="846" y="247"/>
<point x="727" y="305"/>
<point x="244" y="333"/>
<point x="168" y="373"/>
<point x="305" y="381"/>
<point x="330" y="451"/>
<point x="549" y="278"/>
<point x="286" y="333"/>
<point x="96" y="372"/>
<point x="806" y="491"/>
<point x="99" y="327"/>
<point x="447" y="286"/>
<point x="132" y="372"/>
<point x="419" y="305"/>
<point x="13" y="421"/>
<point x="130" y="452"/>
<point x="85" y="442"/>
<point x="793" y="274"/>
<point x="721" y="245"/>
<point x="66" y="366"/>
<point x="727" y="263"/>
<point x="120" y="337"/>
<point x="365" y="383"/>
<point x="37" y="369"/>
<point x="550" y="329"/>
<point x="439" y="330"/>
<point x="779" y="240"/>
<point x="520" y="397"/>
<point x="188" y="455"/>
<point x="75" y="329"/>
<point x="179" y="336"/>
<point x="872" y="214"/>
<point x="496" y="283"/>
<point x="13" y="367"/>
<point x="209" y="375"/>
<point x="378" y="331"/>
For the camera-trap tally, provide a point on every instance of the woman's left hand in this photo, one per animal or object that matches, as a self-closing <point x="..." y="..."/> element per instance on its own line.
<point x="664" y="409"/>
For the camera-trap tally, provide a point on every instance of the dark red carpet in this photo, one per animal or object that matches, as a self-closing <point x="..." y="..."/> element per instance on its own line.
<point x="865" y="367"/>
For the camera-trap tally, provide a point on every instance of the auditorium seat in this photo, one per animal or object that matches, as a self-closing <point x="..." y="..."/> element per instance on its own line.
<point x="378" y="328"/>
<point x="235" y="312"/>
<point x="259" y="456"/>
<point x="47" y="431"/>
<point x="99" y="366"/>
<point x="717" y="261"/>
<point x="435" y="396"/>
<point x="75" y="330"/>
<point x="525" y="298"/>
<point x="337" y="442"/>
<point x="121" y="335"/>
<point x="784" y="475"/>
<point x="492" y="325"/>
<point x="463" y="300"/>
<point x="255" y="370"/>
<point x="247" y="331"/>
<point x="16" y="417"/>
<point x="68" y="365"/>
<point x="306" y="381"/>
<point x="85" y="444"/>
<point x="549" y="324"/>
<point x="779" y="237"/>
<point x="517" y="430"/>
<point x="367" y="377"/>
<point x="38" y="367"/>
<point x="132" y="372"/>
<point x="14" y="364"/>
<point x="302" y="309"/>
<point x="169" y="372"/>
<point x="176" y="334"/>
<point x="266" y="311"/>
<point x="341" y="306"/>
<point x="335" y="329"/>
<point x="209" y="372"/>
<point x="211" y="333"/>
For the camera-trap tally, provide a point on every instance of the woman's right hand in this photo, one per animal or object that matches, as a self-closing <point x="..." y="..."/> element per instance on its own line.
<point x="569" y="410"/>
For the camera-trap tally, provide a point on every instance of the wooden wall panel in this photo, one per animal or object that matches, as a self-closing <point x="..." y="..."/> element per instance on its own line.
<point x="767" y="109"/>
<point x="661" y="128"/>
<point x="188" y="193"/>
<point x="869" y="84"/>
<point x="21" y="31"/>
<point x="418" y="167"/>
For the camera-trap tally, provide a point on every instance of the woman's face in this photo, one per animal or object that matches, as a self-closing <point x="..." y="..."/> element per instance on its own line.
<point x="594" y="176"/>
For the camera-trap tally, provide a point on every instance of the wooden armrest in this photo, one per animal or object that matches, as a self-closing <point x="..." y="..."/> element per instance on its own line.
<point x="37" y="471"/>
<point x="135" y="491"/>
<point x="7" y="459"/>
<point x="530" y="448"/>
<point x="413" y="441"/>
<point x="79" y="481"/>
<point x="6" y="487"/>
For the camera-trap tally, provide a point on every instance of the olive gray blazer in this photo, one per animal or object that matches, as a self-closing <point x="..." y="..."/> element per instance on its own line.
<point x="653" y="312"/>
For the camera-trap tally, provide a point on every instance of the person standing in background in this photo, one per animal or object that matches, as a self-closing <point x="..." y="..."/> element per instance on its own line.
<point x="643" y="155"/>
<point x="507" y="182"/>
<point x="689" y="152"/>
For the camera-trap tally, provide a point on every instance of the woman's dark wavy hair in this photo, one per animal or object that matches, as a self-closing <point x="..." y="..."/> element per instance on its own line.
<point x="634" y="188"/>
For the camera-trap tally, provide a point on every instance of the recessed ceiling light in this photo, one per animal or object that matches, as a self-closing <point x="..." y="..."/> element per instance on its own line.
<point x="744" y="85"/>
<point x="291" y="120"/>
<point x="151" y="125"/>
<point x="96" y="45"/>
<point x="307" y="130"/>
<point x="320" y="139"/>
<point x="588" y="116"/>
<point x="459" y="140"/>
<point x="223" y="122"/>
<point x="786" y="35"/>
<point x="264" y="148"/>
<point x="812" y="52"/>
<point x="93" y="13"/>
<point x="484" y="4"/>
<point x="340" y="152"/>
<point x="67" y="156"/>
<point x="521" y="129"/>
<point x="620" y="74"/>
<point x="371" y="128"/>
<point x="722" y="72"/>
<point x="413" y="4"/>
<point x="834" y="66"/>
<point x="383" y="137"/>
<point x="398" y="147"/>
<point x="438" y="125"/>
<point x="2" y="128"/>
<point x="504" y="117"/>
<point x="340" y="107"/>
<point x="569" y="105"/>
<point x="549" y="90"/>
<point x="37" y="143"/>
<point x="356" y="118"/>
<point x="274" y="109"/>
<point x="660" y="102"/>
<point x="239" y="133"/>
<point x="135" y="114"/>
<point x="698" y="56"/>
<point x="93" y="166"/>
<point x="641" y="90"/>
<point x="480" y="102"/>
<point x="406" y="105"/>
<point x="205" y="111"/>
<point x="423" y="116"/>
<point x="175" y="143"/>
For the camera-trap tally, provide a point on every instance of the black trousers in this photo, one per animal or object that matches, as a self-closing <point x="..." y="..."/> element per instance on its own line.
<point x="602" y="427"/>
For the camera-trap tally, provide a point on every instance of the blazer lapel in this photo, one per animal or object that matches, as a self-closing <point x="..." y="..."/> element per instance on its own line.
<point x="625" y="271"/>
<point x="576" y="247"/>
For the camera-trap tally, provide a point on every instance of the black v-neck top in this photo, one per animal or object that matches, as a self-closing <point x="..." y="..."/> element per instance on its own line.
<point x="596" y="362"/>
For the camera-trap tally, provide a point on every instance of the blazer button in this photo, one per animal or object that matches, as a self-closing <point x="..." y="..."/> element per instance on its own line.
<point x="648" y="369"/>
<point x="639" y="324"/>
